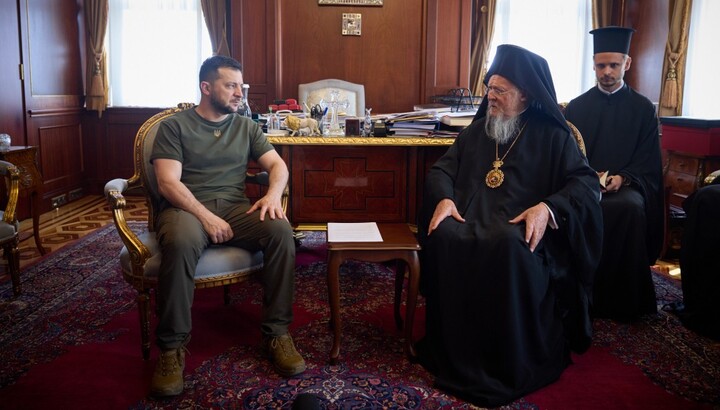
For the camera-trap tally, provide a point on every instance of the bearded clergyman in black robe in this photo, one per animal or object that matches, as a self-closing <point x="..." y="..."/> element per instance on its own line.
<point x="511" y="232"/>
<point x="620" y="129"/>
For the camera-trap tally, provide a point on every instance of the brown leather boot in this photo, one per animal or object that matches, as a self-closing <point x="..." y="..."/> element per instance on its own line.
<point x="281" y="352"/>
<point x="168" y="377"/>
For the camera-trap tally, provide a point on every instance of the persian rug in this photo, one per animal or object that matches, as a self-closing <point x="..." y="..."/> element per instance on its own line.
<point x="71" y="340"/>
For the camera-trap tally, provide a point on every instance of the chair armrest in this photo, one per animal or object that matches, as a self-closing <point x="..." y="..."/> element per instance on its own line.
<point x="263" y="178"/>
<point x="712" y="178"/>
<point x="139" y="253"/>
<point x="12" y="181"/>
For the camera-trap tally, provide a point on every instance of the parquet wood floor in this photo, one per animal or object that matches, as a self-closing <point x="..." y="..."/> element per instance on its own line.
<point x="73" y="221"/>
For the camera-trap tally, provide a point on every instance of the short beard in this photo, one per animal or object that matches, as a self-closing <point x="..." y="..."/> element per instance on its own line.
<point x="220" y="107"/>
<point x="501" y="129"/>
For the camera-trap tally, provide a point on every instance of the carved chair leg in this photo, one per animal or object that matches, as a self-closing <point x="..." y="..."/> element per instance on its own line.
<point x="143" y="300"/>
<point x="226" y="294"/>
<point x="13" y="263"/>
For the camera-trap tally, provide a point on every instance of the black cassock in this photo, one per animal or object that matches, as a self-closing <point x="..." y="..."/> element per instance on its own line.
<point x="501" y="320"/>
<point x="621" y="136"/>
<point x="699" y="262"/>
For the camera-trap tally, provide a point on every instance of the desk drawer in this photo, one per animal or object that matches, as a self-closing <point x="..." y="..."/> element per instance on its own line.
<point x="680" y="182"/>
<point x="688" y="165"/>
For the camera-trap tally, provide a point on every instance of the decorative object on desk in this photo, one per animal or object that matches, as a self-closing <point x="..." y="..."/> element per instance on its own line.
<point x="379" y="129"/>
<point x="334" y="105"/>
<point x="367" y="128"/>
<point x="314" y="92"/>
<point x="272" y="125"/>
<point x="304" y="126"/>
<point x="350" y="2"/>
<point x="351" y="24"/>
<point x="352" y="126"/>
<point x="5" y="142"/>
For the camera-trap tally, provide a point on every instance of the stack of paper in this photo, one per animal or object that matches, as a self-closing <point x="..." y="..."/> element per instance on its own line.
<point x="353" y="232"/>
<point x="412" y="124"/>
<point x="458" y="118"/>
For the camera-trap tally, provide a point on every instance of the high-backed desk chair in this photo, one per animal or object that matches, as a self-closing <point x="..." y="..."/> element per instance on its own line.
<point x="140" y="257"/>
<point x="312" y="93"/>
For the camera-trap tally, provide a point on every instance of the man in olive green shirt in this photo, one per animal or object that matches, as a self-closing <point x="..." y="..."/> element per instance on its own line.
<point x="200" y="158"/>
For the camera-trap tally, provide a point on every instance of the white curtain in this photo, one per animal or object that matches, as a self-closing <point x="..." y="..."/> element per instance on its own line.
<point x="702" y="85"/>
<point x="155" y="51"/>
<point x="557" y="30"/>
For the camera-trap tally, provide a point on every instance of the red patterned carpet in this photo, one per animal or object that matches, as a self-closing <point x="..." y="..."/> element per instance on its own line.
<point x="72" y="341"/>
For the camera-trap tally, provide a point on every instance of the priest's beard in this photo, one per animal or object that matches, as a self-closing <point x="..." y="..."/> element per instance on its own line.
<point x="501" y="129"/>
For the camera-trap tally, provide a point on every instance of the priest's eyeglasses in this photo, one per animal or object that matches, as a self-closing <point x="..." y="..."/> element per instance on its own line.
<point x="497" y="91"/>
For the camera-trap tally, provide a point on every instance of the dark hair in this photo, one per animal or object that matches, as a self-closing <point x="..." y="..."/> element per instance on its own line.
<point x="209" y="68"/>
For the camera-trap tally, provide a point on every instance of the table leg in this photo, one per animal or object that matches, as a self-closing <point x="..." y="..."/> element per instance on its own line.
<point x="413" y="286"/>
<point x="399" y="280"/>
<point x="333" y="281"/>
<point x="35" y="210"/>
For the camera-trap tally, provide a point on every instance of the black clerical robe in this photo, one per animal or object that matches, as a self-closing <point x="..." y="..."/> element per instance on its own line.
<point x="699" y="262"/>
<point x="501" y="320"/>
<point x="621" y="136"/>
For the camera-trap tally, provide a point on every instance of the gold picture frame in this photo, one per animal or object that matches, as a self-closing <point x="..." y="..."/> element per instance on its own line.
<point x="350" y="2"/>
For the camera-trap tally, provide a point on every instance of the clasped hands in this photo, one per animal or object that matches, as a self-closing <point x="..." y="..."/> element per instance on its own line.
<point x="536" y="220"/>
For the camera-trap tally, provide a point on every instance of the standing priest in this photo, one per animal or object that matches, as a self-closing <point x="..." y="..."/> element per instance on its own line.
<point x="620" y="129"/>
<point x="511" y="232"/>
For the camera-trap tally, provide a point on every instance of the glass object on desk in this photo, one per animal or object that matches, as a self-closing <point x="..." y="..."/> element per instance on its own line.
<point x="5" y="142"/>
<point x="334" y="106"/>
<point x="244" y="109"/>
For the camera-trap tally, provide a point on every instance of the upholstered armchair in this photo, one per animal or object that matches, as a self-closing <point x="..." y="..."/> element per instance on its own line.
<point x="312" y="93"/>
<point x="9" y="226"/>
<point x="140" y="257"/>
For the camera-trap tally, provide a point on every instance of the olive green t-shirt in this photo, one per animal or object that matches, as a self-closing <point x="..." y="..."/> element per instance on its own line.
<point x="214" y="155"/>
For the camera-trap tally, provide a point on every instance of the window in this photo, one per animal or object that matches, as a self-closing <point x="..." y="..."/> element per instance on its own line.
<point x="557" y="30"/>
<point x="701" y="82"/>
<point x="155" y="49"/>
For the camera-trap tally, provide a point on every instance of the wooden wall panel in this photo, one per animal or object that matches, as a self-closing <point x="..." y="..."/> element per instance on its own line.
<point x="650" y="19"/>
<point x="386" y="58"/>
<point x="254" y="43"/>
<point x="109" y="143"/>
<point x="61" y="160"/>
<point x="447" y="63"/>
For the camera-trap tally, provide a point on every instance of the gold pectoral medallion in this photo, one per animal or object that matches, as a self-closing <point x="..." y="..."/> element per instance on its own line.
<point x="495" y="177"/>
<point x="217" y="133"/>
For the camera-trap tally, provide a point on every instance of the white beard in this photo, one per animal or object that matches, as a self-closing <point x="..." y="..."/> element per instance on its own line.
<point x="500" y="129"/>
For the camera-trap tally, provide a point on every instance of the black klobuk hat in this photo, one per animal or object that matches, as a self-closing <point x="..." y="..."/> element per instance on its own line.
<point x="612" y="39"/>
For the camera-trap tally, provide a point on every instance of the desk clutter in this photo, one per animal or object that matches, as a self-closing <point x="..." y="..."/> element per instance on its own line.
<point x="444" y="118"/>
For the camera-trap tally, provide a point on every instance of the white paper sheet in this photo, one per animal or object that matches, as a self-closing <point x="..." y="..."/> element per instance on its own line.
<point x="353" y="232"/>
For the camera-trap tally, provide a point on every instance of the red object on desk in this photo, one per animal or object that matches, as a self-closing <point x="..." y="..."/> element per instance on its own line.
<point x="691" y="135"/>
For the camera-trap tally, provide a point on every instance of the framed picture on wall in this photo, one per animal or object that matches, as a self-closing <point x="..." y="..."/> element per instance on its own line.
<point x="350" y="2"/>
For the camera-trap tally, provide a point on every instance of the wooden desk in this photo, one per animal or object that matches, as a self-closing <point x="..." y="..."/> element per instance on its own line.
<point x="356" y="179"/>
<point x="25" y="159"/>
<point x="398" y="243"/>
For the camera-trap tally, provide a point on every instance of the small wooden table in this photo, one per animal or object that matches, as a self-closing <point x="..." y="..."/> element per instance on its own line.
<point x="399" y="243"/>
<point x="25" y="159"/>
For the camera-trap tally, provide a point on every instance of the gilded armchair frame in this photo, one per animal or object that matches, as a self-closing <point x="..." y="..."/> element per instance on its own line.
<point x="10" y="227"/>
